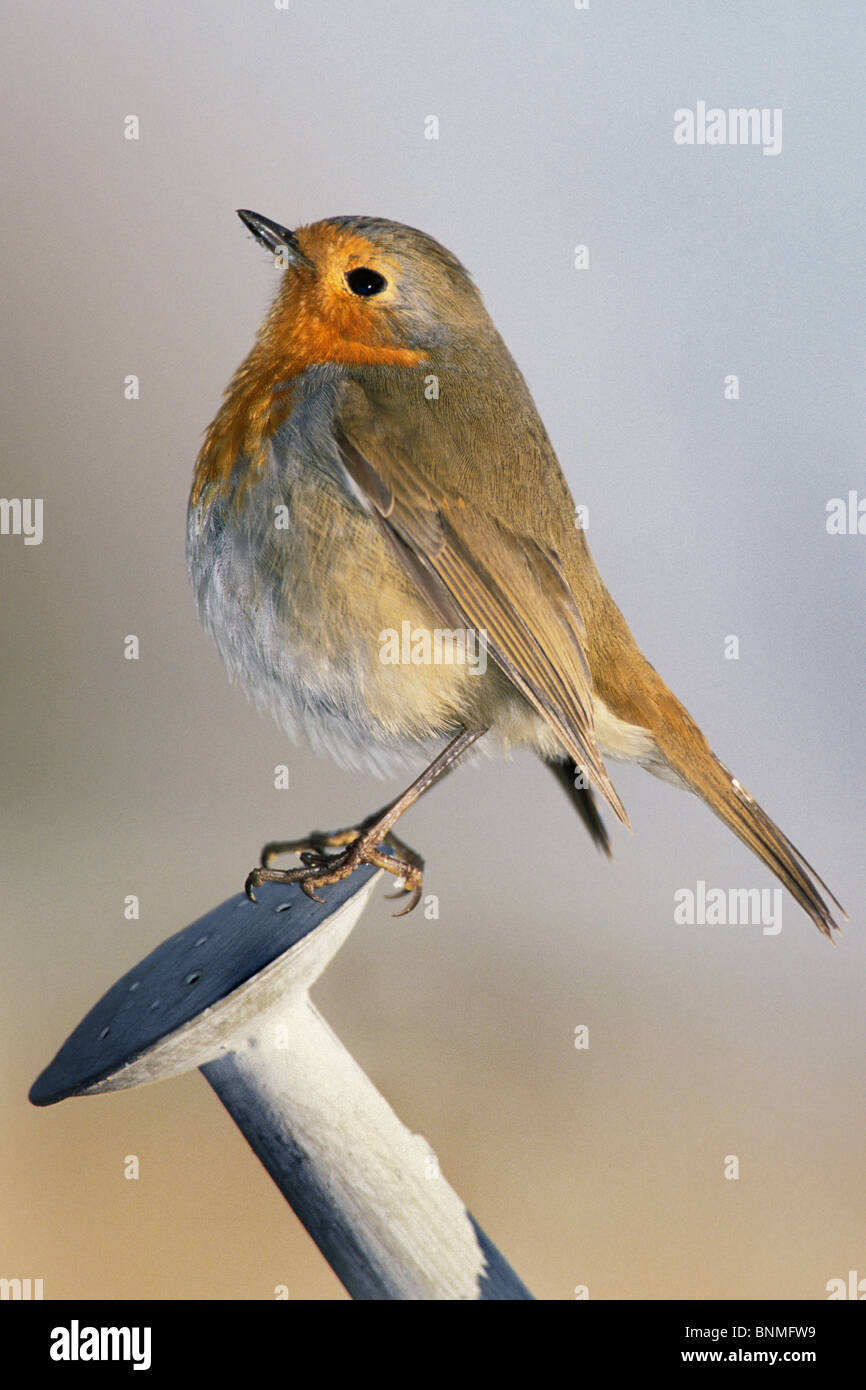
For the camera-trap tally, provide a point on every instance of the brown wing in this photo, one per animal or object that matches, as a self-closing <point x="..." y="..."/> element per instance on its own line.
<point x="473" y="569"/>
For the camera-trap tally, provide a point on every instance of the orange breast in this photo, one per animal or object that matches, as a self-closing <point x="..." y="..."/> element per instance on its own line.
<point x="314" y="319"/>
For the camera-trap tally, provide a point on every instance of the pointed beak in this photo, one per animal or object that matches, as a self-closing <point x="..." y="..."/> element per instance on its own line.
<point x="276" y="239"/>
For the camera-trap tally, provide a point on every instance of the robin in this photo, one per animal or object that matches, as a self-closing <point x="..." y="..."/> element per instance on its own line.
<point x="377" y="469"/>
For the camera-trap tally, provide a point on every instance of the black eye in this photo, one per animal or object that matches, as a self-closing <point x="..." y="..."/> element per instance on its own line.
<point x="365" y="281"/>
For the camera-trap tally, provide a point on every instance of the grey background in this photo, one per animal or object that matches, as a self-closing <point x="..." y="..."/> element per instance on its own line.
<point x="707" y="516"/>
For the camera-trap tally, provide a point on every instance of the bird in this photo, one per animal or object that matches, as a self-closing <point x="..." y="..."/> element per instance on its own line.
<point x="378" y="466"/>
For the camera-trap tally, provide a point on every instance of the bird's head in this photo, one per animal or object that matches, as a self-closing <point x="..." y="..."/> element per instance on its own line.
<point x="367" y="290"/>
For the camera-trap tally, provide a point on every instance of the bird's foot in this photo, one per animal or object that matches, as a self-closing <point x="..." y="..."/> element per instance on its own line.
<point x="362" y="846"/>
<point x="321" y="840"/>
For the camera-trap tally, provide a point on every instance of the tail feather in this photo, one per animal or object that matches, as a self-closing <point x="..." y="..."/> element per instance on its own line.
<point x="711" y="780"/>
<point x="584" y="802"/>
<point x="634" y="700"/>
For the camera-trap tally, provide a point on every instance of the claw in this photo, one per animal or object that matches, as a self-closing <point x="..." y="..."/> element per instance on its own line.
<point x="411" y="905"/>
<point x="412" y="885"/>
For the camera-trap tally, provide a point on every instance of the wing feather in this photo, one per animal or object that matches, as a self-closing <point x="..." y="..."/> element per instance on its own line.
<point x="472" y="567"/>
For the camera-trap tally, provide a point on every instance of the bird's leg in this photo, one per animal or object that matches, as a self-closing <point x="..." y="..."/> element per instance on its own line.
<point x="363" y="841"/>
<point x="320" y="840"/>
